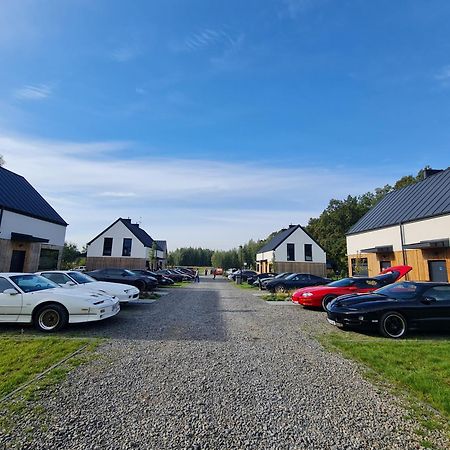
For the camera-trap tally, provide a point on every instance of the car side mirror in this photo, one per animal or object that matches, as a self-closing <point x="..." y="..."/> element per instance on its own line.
<point x="10" y="292"/>
<point x="429" y="300"/>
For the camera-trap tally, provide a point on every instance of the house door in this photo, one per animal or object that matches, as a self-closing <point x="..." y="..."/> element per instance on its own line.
<point x="17" y="261"/>
<point x="438" y="271"/>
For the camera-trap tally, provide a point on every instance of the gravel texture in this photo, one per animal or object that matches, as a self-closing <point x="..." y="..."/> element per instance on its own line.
<point x="213" y="367"/>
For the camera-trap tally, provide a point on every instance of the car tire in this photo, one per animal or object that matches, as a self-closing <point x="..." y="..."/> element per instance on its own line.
<point x="393" y="325"/>
<point x="280" y="289"/>
<point x="326" y="300"/>
<point x="141" y="285"/>
<point x="50" y="318"/>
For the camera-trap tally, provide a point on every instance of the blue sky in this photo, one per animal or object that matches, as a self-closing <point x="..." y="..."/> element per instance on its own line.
<point x="212" y="122"/>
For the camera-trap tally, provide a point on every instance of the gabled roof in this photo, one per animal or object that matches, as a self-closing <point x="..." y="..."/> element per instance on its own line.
<point x="424" y="199"/>
<point x="280" y="237"/>
<point x="162" y="245"/>
<point x="17" y="195"/>
<point x="138" y="232"/>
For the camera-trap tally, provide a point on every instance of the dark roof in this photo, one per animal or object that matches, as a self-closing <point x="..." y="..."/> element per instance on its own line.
<point x="427" y="198"/>
<point x="140" y="234"/>
<point x="162" y="245"/>
<point x="17" y="195"/>
<point x="280" y="237"/>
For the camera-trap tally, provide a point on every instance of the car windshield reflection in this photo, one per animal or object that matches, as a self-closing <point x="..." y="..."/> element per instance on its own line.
<point x="345" y="282"/>
<point x="33" y="283"/>
<point x="401" y="291"/>
<point x="81" y="277"/>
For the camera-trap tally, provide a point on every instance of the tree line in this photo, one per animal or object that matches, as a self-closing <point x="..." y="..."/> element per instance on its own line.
<point x="329" y="230"/>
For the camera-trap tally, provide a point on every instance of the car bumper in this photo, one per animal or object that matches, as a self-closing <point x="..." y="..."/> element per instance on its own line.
<point x="307" y="301"/>
<point x="128" y="297"/>
<point x="351" y="320"/>
<point x="96" y="314"/>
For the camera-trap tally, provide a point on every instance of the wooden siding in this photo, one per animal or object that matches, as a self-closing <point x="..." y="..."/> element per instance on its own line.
<point x="417" y="259"/>
<point x="98" y="262"/>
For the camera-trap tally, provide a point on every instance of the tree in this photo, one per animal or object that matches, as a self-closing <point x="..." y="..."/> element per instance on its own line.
<point x="2" y="161"/>
<point x="70" y="256"/>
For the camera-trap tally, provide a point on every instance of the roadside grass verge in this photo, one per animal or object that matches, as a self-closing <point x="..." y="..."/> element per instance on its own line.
<point x="277" y="297"/>
<point x="419" y="368"/>
<point x="149" y="296"/>
<point x="243" y="285"/>
<point x="176" y="285"/>
<point x="24" y="358"/>
<point x="21" y="358"/>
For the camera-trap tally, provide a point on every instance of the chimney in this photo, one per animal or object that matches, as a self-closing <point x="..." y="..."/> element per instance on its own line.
<point x="430" y="172"/>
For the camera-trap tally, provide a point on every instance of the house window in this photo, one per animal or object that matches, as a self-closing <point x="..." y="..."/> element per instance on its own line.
<point x="107" y="246"/>
<point x="308" y="252"/>
<point x="360" y="267"/>
<point x="385" y="265"/>
<point x="126" y="248"/>
<point x="291" y="252"/>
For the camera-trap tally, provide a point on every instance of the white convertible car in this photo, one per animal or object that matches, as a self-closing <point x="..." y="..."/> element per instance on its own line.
<point x="77" y="280"/>
<point x="30" y="298"/>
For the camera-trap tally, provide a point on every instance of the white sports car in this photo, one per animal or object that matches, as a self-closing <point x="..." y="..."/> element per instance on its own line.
<point x="77" y="280"/>
<point x="30" y="298"/>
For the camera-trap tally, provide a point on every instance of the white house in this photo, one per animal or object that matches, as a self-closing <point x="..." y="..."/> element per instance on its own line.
<point x="125" y="245"/>
<point x="409" y="226"/>
<point x="292" y="250"/>
<point x="32" y="233"/>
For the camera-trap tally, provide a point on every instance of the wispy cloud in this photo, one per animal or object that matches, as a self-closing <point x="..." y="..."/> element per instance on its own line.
<point x="125" y="53"/>
<point x="91" y="184"/>
<point x="207" y="39"/>
<point x="443" y="76"/>
<point x="33" y="92"/>
<point x="294" y="8"/>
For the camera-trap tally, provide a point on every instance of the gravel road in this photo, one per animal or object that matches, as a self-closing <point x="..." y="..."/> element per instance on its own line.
<point x="211" y="366"/>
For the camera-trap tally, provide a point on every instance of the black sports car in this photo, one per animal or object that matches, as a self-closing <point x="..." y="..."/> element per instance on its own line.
<point x="143" y="283"/>
<point x="394" y="309"/>
<point x="262" y="283"/>
<point x="260" y="276"/>
<point x="162" y="280"/>
<point x="295" y="281"/>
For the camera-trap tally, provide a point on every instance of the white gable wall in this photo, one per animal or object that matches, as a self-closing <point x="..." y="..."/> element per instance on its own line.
<point x="18" y="223"/>
<point x="299" y="238"/>
<point x="420" y="230"/>
<point x="118" y="232"/>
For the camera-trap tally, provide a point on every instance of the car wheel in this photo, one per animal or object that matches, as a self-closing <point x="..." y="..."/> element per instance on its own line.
<point x="393" y="325"/>
<point x="280" y="289"/>
<point x="50" y="318"/>
<point x="141" y="285"/>
<point x="326" y="300"/>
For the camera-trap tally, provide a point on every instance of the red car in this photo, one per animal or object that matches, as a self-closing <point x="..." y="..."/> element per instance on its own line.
<point x="322" y="295"/>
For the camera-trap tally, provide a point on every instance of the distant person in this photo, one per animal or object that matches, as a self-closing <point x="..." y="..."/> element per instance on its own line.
<point x="206" y="272"/>
<point x="214" y="273"/>
<point x="197" y="276"/>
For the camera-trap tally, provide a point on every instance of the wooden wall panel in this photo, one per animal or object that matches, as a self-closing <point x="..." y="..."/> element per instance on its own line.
<point x="93" y="263"/>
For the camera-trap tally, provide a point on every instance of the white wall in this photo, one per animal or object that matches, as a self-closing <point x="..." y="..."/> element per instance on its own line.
<point x="18" y="223"/>
<point x="299" y="238"/>
<point x="118" y="232"/>
<point x="421" y="230"/>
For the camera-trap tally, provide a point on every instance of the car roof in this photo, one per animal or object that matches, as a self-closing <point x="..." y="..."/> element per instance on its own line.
<point x="12" y="274"/>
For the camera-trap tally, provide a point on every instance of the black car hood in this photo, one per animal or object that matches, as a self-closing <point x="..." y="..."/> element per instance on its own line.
<point x="355" y="299"/>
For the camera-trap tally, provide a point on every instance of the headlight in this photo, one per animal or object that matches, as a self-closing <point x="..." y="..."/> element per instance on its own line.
<point x="307" y="294"/>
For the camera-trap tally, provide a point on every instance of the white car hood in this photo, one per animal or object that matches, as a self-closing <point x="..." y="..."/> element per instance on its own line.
<point x="110" y="288"/>
<point x="74" y="294"/>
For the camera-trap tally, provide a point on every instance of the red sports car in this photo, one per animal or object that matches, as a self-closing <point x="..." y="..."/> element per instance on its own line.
<point x="322" y="295"/>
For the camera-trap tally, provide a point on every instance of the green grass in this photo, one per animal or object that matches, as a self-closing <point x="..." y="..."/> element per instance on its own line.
<point x="420" y="368"/>
<point x="277" y="297"/>
<point x="244" y="285"/>
<point x="21" y="358"/>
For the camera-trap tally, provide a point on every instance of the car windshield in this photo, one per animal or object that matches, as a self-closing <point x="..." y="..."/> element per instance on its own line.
<point x="33" y="283"/>
<point x="81" y="277"/>
<point x="402" y="291"/>
<point x="283" y="275"/>
<point x="292" y="275"/>
<point x="345" y="282"/>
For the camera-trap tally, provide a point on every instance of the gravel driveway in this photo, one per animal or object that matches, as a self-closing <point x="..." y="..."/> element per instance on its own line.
<point x="214" y="367"/>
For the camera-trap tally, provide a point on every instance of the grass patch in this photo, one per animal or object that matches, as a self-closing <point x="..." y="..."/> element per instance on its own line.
<point x="277" y="297"/>
<point x="418" y="367"/>
<point x="149" y="296"/>
<point x="21" y="359"/>
<point x="244" y="285"/>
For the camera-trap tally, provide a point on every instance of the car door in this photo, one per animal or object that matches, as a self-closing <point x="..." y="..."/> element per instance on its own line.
<point x="435" y="305"/>
<point x="10" y="304"/>
<point x="299" y="281"/>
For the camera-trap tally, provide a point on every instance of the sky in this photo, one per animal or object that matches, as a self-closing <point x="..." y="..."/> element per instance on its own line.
<point x="212" y="122"/>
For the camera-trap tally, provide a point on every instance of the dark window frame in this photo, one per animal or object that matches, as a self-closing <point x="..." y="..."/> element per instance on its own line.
<point x="309" y="254"/>
<point x="107" y="250"/>
<point x="363" y="265"/>
<point x="290" y="252"/>
<point x="125" y="250"/>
